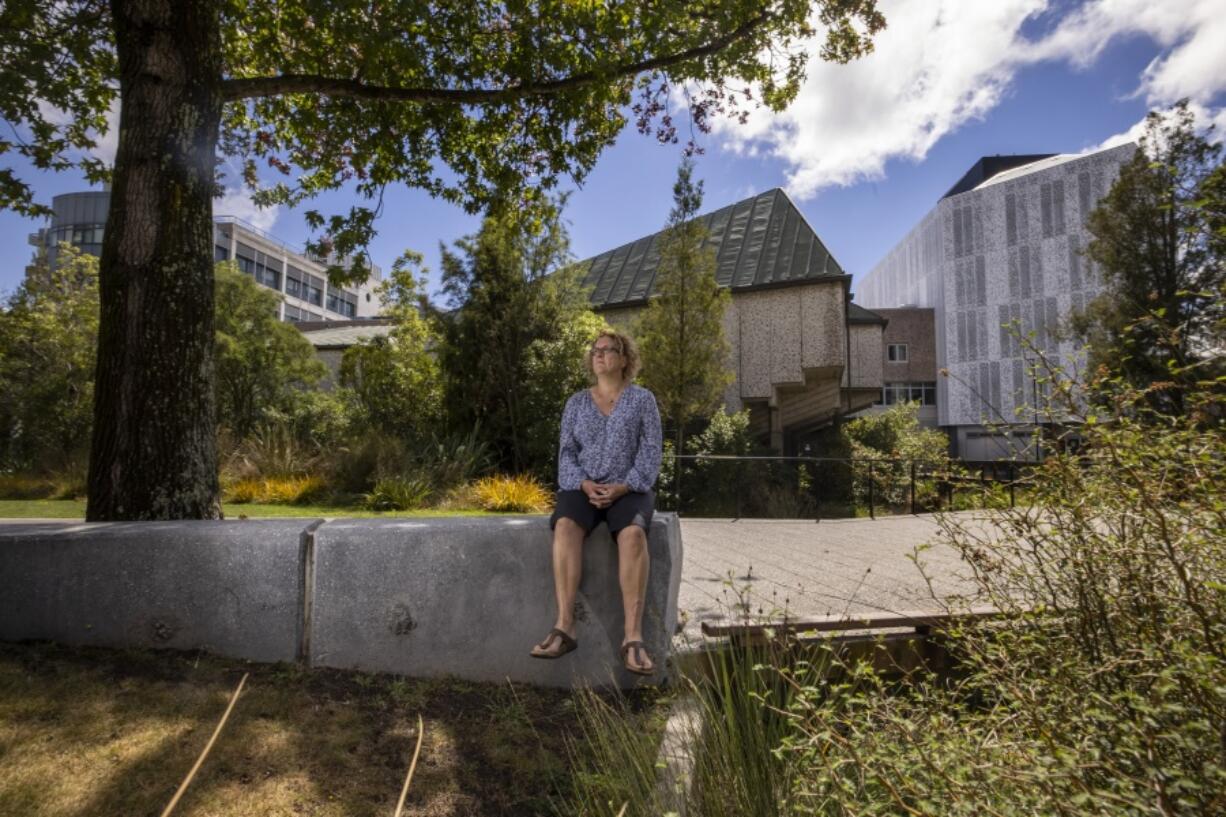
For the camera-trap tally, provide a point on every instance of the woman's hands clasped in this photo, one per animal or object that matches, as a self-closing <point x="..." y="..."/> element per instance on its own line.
<point x="604" y="494"/>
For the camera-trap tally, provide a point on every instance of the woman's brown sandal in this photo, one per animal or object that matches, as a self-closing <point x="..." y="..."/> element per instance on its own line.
<point x="568" y="645"/>
<point x="640" y="652"/>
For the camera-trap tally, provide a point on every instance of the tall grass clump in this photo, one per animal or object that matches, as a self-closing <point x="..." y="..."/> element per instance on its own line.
<point x="732" y="714"/>
<point x="275" y="490"/>
<point x="1100" y="690"/>
<point x="397" y="494"/>
<point x="272" y="450"/>
<point x="512" y="494"/>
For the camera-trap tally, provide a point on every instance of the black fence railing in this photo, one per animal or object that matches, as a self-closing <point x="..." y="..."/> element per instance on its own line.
<point x="832" y="487"/>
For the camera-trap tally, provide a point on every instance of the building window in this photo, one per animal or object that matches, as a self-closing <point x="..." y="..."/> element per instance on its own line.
<point x="342" y="303"/>
<point x="309" y="288"/>
<point x="896" y="353"/>
<point x="894" y="393"/>
<point x="268" y="273"/>
<point x="263" y="268"/>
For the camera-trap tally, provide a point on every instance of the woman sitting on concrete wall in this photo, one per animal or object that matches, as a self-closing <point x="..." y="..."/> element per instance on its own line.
<point x="608" y="460"/>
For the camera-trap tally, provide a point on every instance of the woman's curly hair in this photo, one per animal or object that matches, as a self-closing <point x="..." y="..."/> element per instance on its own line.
<point x="631" y="362"/>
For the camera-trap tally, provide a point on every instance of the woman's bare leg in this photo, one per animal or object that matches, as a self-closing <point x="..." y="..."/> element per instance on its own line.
<point x="633" y="566"/>
<point x="568" y="538"/>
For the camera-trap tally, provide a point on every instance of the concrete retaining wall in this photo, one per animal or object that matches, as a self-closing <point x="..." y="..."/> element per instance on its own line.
<point x="424" y="597"/>
<point x="233" y="588"/>
<point x="469" y="597"/>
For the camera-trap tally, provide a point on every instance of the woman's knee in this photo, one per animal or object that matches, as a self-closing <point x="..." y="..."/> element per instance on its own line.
<point x="567" y="528"/>
<point x="632" y="536"/>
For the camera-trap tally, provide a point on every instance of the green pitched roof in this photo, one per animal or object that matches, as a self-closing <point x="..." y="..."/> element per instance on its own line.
<point x="759" y="242"/>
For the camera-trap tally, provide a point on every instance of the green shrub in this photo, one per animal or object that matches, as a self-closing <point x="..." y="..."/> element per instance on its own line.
<point x="397" y="494"/>
<point x="1104" y="691"/>
<point x="894" y="438"/>
<point x="712" y="487"/>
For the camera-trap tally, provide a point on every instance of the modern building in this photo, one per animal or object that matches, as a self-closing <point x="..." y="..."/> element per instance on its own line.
<point x="80" y="218"/>
<point x="1002" y="248"/>
<point x="802" y="353"/>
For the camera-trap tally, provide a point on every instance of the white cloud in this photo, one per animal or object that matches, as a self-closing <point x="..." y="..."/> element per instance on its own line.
<point x="944" y="63"/>
<point x="1191" y="33"/>
<point x="1202" y="116"/>
<point x="1133" y="135"/>
<point x="237" y="202"/>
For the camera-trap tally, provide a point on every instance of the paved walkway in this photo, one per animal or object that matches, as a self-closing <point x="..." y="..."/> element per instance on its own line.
<point x="764" y="567"/>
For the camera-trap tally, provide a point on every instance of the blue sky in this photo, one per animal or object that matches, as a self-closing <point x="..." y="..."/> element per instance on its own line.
<point x="867" y="149"/>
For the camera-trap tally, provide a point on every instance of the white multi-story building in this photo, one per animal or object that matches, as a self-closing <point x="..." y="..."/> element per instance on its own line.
<point x="1003" y="247"/>
<point x="80" y="218"/>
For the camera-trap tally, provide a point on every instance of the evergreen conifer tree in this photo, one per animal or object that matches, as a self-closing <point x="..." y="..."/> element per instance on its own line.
<point x="681" y="332"/>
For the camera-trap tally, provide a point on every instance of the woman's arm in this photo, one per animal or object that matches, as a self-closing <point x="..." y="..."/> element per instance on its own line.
<point x="570" y="475"/>
<point x="642" y="475"/>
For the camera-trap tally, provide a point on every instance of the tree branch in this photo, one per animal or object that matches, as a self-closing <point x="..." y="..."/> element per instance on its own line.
<point x="235" y="89"/>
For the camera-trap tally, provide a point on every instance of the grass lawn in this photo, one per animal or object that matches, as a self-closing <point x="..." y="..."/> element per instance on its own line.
<point x="108" y="732"/>
<point x="75" y="509"/>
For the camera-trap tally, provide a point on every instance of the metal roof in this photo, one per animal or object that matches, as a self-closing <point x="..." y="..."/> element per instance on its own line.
<point x="858" y="314"/>
<point x="989" y="166"/>
<point x="342" y="334"/>
<point x="760" y="242"/>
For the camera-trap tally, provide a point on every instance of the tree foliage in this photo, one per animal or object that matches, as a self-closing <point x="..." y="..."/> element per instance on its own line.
<point x="263" y="363"/>
<point x="396" y="381"/>
<point x="514" y="337"/>
<point x="48" y="334"/>
<point x="893" y="439"/>
<point x="1158" y="237"/>
<point x="553" y="371"/>
<point x="470" y="101"/>
<point x="681" y="332"/>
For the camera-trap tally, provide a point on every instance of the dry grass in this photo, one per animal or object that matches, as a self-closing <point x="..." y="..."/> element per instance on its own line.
<point x="102" y="732"/>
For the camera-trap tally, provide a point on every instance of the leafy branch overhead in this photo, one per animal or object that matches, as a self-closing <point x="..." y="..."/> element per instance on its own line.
<point x="470" y="101"/>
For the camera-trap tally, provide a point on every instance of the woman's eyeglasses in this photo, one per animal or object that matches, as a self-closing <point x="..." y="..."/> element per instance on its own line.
<point x="605" y="350"/>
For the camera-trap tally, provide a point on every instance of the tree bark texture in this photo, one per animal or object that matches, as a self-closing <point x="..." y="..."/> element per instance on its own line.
<point x="154" y="448"/>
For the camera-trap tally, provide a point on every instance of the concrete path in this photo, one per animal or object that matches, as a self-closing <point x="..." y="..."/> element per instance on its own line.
<point x="764" y="567"/>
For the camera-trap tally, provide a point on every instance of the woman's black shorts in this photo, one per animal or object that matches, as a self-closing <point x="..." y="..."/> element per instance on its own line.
<point x="632" y="509"/>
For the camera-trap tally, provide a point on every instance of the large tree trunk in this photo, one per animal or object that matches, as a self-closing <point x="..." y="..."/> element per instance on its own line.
<point x="154" y="451"/>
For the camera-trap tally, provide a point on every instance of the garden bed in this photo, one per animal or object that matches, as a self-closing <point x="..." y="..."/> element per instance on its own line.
<point x="105" y="732"/>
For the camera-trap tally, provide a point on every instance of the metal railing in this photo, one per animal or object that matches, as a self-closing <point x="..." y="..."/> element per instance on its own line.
<point x="805" y="487"/>
<point x="264" y="234"/>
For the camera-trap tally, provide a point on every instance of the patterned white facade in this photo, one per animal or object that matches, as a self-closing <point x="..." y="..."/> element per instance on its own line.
<point x="1005" y="252"/>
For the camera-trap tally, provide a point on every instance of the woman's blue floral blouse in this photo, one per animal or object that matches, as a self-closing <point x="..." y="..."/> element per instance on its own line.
<point x="625" y="447"/>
